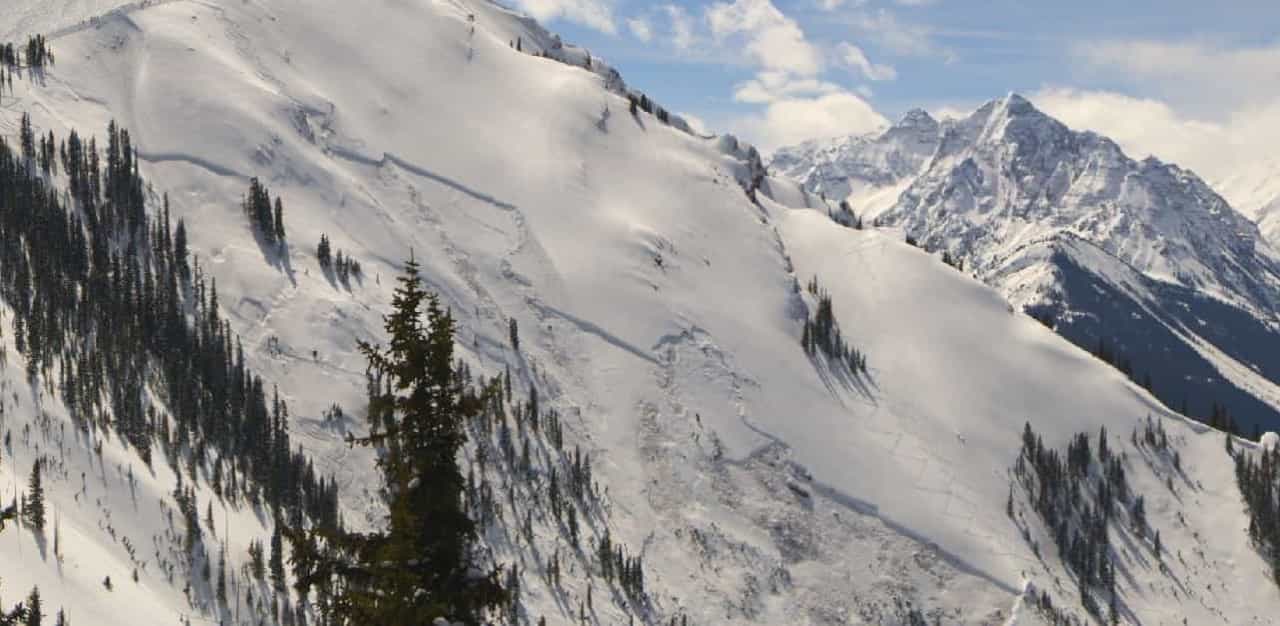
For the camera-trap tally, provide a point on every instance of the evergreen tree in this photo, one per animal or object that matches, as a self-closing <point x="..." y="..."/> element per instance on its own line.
<point x="323" y="252"/>
<point x="422" y="566"/>
<point x="279" y="219"/>
<point x="221" y="589"/>
<point x="27" y="137"/>
<point x="34" y="503"/>
<point x="180" y="251"/>
<point x="276" y="562"/>
<point x="35" y="614"/>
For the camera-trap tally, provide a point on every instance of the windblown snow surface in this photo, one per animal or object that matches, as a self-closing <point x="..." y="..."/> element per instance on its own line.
<point x="660" y="311"/>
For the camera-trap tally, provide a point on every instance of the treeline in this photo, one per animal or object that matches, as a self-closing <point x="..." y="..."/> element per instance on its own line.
<point x="1079" y="494"/>
<point x="641" y="102"/>
<point x="1114" y="357"/>
<point x="845" y="216"/>
<point x="266" y="219"/>
<point x="343" y="267"/>
<point x="461" y="458"/>
<point x="1257" y="477"/>
<point x="108" y="304"/>
<point x="636" y="101"/>
<point x="821" y="334"/>
<point x="36" y="53"/>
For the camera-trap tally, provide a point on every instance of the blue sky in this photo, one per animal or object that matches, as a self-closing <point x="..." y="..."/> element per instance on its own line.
<point x="1176" y="78"/>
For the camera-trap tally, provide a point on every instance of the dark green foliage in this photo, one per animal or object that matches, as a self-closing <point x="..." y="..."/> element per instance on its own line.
<point x="16" y="616"/>
<point x="33" y="501"/>
<point x="1258" y="478"/>
<point x="27" y="137"/>
<point x="220" y="590"/>
<point x="845" y="216"/>
<point x="257" y="565"/>
<point x="423" y="564"/>
<point x="340" y="267"/>
<point x="103" y="293"/>
<point x="279" y="219"/>
<point x="952" y="260"/>
<point x="276" y="562"/>
<point x="1115" y="358"/>
<point x="267" y="222"/>
<point x="324" y="252"/>
<point x="345" y="267"/>
<point x="821" y="334"/>
<point x="35" y="613"/>
<point x="513" y="329"/>
<point x="38" y="53"/>
<point x="9" y="56"/>
<point x="1079" y="496"/>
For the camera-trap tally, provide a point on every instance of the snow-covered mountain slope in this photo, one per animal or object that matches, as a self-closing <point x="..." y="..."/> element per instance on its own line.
<point x="28" y="17"/>
<point x="1013" y="193"/>
<point x="857" y="167"/>
<point x="660" y="312"/>
<point x="1255" y="192"/>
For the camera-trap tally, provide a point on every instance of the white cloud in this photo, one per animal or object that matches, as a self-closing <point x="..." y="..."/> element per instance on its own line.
<point x="855" y="58"/>
<point x="682" y="33"/>
<point x="769" y="87"/>
<point x="1142" y="126"/>
<point x="898" y="37"/>
<point x="1212" y="108"/>
<point x="789" y="120"/>
<point x="640" y="29"/>
<point x="1218" y="150"/>
<point x="773" y="40"/>
<point x="950" y="111"/>
<point x="695" y="123"/>
<point x="1209" y="80"/>
<point x="597" y="14"/>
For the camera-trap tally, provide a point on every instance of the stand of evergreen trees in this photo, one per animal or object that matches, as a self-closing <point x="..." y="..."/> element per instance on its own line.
<point x="1259" y="483"/>
<point x="344" y="267"/>
<point x="37" y="53"/>
<point x="845" y="216"/>
<point x="107" y="305"/>
<point x="267" y="219"/>
<point x="821" y="334"/>
<point x="1077" y="496"/>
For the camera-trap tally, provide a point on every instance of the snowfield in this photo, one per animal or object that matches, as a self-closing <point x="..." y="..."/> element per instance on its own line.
<point x="660" y="311"/>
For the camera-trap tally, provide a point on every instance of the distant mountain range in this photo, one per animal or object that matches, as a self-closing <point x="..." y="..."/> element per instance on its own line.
<point x="1139" y="260"/>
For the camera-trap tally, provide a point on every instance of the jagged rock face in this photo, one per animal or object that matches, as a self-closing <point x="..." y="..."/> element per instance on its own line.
<point x="1050" y="216"/>
<point x="835" y="168"/>
<point x="1009" y="174"/>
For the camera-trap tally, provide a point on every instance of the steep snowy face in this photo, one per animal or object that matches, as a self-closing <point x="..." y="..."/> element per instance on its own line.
<point x="1052" y="217"/>
<point x="842" y="166"/>
<point x="27" y="17"/>
<point x="660" y="313"/>
<point x="1255" y="192"/>
<point x="1009" y="175"/>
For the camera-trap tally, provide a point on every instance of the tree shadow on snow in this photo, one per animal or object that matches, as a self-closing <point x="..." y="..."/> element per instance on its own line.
<point x="835" y="374"/>
<point x="276" y="254"/>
